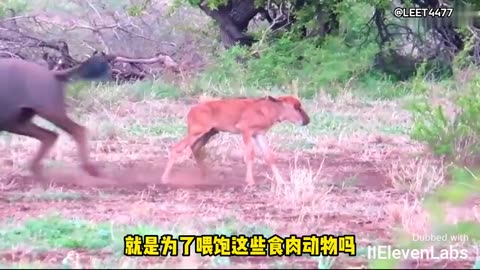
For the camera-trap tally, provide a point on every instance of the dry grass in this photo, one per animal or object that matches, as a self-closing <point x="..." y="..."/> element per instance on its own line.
<point x="305" y="188"/>
<point x="410" y="215"/>
<point x="347" y="175"/>
<point x="418" y="176"/>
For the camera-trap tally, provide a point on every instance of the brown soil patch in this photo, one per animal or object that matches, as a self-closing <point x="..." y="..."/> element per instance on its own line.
<point x="135" y="195"/>
<point x="142" y="173"/>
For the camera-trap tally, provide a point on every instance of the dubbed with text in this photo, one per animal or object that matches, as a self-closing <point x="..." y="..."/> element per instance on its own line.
<point x="389" y="252"/>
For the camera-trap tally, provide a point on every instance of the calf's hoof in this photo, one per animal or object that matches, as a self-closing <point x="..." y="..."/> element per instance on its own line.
<point x="250" y="182"/>
<point x="249" y="187"/>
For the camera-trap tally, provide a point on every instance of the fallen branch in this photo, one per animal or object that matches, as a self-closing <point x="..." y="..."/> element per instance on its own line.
<point x="24" y="43"/>
<point x="165" y="60"/>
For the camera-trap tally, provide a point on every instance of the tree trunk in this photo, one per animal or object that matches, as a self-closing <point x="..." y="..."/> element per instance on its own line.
<point x="233" y="20"/>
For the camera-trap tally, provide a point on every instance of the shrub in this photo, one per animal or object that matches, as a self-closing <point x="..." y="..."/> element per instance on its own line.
<point x="456" y="136"/>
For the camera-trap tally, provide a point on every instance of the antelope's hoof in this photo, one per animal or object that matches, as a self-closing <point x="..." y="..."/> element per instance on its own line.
<point x="164" y="180"/>
<point x="91" y="170"/>
<point x="42" y="181"/>
<point x="37" y="175"/>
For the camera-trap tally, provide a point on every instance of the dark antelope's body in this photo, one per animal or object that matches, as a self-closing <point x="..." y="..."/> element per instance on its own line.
<point x="28" y="89"/>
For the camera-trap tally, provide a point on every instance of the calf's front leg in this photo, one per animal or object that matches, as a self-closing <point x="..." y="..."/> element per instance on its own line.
<point x="269" y="157"/>
<point x="249" y="157"/>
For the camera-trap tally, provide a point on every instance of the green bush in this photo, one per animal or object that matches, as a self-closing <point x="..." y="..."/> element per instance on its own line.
<point x="454" y="137"/>
<point x="18" y="6"/>
<point x="313" y="64"/>
<point x="287" y="60"/>
<point x="464" y="184"/>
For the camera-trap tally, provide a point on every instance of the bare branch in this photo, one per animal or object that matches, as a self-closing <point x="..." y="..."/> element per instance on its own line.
<point x="166" y="60"/>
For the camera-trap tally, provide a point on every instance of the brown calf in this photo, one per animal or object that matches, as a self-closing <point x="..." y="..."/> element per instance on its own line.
<point x="250" y="117"/>
<point x="28" y="89"/>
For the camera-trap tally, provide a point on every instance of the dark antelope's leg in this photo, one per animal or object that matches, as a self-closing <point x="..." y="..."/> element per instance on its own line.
<point x="79" y="134"/>
<point x="197" y="150"/>
<point x="47" y="139"/>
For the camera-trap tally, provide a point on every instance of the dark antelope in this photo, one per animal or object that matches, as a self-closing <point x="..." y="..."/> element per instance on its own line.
<point x="28" y="89"/>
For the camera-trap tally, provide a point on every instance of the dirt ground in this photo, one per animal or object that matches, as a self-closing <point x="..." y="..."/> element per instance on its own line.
<point x="340" y="187"/>
<point x="224" y="189"/>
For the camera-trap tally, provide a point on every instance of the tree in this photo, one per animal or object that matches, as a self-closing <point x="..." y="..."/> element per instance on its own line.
<point x="435" y="40"/>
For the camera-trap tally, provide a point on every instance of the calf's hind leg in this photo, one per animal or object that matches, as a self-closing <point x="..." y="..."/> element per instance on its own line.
<point x="47" y="139"/>
<point x="197" y="150"/>
<point x="177" y="150"/>
<point x="79" y="135"/>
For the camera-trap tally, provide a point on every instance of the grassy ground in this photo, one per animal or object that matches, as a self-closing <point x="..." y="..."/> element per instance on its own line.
<point x="353" y="170"/>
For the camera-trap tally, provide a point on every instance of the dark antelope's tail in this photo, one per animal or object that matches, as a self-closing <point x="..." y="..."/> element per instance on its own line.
<point x="96" y="67"/>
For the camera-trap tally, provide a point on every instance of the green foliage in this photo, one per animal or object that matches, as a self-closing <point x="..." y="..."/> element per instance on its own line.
<point x="353" y="18"/>
<point x="311" y="64"/>
<point x="287" y="60"/>
<point x="137" y="10"/>
<point x="57" y="232"/>
<point x="155" y="89"/>
<point x="226" y="69"/>
<point x="376" y="86"/>
<point x="455" y="137"/>
<point x="463" y="186"/>
<point x="461" y="60"/>
<point x="18" y="6"/>
<point x="212" y="4"/>
<point x="78" y="88"/>
<point x="432" y="127"/>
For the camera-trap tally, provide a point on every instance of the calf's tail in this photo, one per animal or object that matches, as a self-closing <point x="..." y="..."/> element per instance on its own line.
<point x="96" y="67"/>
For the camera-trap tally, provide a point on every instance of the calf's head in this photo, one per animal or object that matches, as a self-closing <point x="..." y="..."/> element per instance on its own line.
<point x="291" y="110"/>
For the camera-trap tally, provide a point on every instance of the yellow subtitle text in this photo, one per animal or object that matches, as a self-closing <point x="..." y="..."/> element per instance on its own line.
<point x="239" y="245"/>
